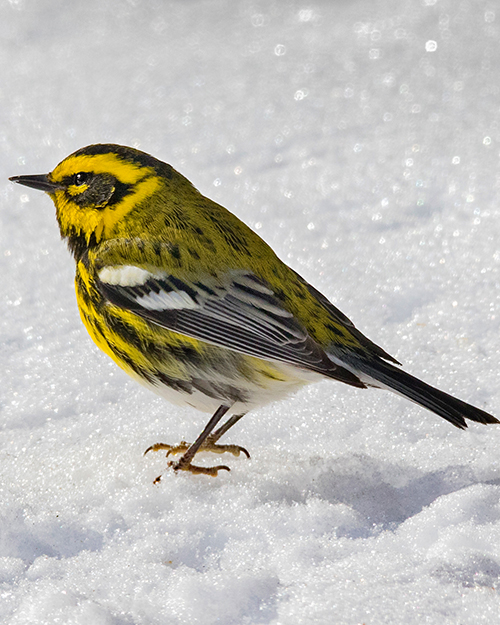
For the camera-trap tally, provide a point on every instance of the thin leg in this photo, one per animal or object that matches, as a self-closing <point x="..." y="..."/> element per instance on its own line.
<point x="185" y="459"/>
<point x="211" y="442"/>
<point x="224" y="428"/>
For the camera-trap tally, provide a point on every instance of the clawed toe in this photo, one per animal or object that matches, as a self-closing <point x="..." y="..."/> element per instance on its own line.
<point x="157" y="447"/>
<point x="195" y="470"/>
<point x="236" y="450"/>
<point x="208" y="447"/>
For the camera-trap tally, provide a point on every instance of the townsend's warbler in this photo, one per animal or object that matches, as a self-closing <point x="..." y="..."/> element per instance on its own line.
<point x="193" y="304"/>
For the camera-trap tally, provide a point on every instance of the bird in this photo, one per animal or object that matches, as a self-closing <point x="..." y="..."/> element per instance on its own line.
<point x="193" y="304"/>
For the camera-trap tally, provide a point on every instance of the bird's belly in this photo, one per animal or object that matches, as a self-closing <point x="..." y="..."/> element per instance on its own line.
<point x="268" y="382"/>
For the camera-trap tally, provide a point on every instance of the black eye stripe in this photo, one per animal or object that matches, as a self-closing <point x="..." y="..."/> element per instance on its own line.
<point x="121" y="190"/>
<point x="103" y="190"/>
<point x="77" y="179"/>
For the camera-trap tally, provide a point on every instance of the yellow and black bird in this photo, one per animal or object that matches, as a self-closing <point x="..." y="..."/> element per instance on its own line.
<point x="192" y="303"/>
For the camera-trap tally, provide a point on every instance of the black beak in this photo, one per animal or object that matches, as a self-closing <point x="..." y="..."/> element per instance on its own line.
<point x="37" y="181"/>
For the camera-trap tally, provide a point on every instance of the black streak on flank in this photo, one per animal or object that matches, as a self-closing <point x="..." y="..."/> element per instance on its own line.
<point x="83" y="292"/>
<point x="220" y="391"/>
<point x="178" y="385"/>
<point x="125" y="331"/>
<point x="129" y="335"/>
<point x="187" y="354"/>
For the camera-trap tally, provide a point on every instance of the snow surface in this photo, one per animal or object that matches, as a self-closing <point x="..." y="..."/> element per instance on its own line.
<point x="361" y="139"/>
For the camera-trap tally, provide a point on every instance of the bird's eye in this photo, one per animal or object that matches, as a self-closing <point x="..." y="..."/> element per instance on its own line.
<point x="81" y="178"/>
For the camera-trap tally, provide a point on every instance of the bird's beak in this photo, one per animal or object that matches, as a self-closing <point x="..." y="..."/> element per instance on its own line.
<point x="38" y="181"/>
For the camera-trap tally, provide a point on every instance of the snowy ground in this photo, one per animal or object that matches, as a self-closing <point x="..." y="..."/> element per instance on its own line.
<point x="361" y="139"/>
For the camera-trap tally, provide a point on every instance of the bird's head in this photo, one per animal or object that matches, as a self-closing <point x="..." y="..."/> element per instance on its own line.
<point x="96" y="188"/>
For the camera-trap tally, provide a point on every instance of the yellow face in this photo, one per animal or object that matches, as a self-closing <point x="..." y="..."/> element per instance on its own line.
<point x="92" y="193"/>
<point x="96" y="187"/>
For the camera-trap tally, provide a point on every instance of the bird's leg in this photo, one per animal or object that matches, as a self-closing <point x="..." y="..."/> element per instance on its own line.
<point x="210" y="444"/>
<point x="206" y="441"/>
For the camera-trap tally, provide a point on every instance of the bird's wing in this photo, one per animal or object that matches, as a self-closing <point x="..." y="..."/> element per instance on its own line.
<point x="237" y="311"/>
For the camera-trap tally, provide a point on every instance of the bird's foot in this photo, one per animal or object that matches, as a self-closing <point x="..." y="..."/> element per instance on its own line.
<point x="185" y="465"/>
<point x="207" y="446"/>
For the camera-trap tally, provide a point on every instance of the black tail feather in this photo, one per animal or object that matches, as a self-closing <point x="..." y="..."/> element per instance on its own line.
<point x="450" y="408"/>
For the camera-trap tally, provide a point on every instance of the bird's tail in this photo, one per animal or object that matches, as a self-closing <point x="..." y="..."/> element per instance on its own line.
<point x="376" y="372"/>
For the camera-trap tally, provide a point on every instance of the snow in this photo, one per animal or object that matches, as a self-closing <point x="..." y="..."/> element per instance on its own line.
<point x="361" y="140"/>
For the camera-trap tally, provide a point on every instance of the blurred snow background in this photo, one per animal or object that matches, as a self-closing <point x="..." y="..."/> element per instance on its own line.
<point x="361" y="139"/>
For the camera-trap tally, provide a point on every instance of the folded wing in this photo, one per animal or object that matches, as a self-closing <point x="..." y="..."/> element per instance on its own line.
<point x="238" y="312"/>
